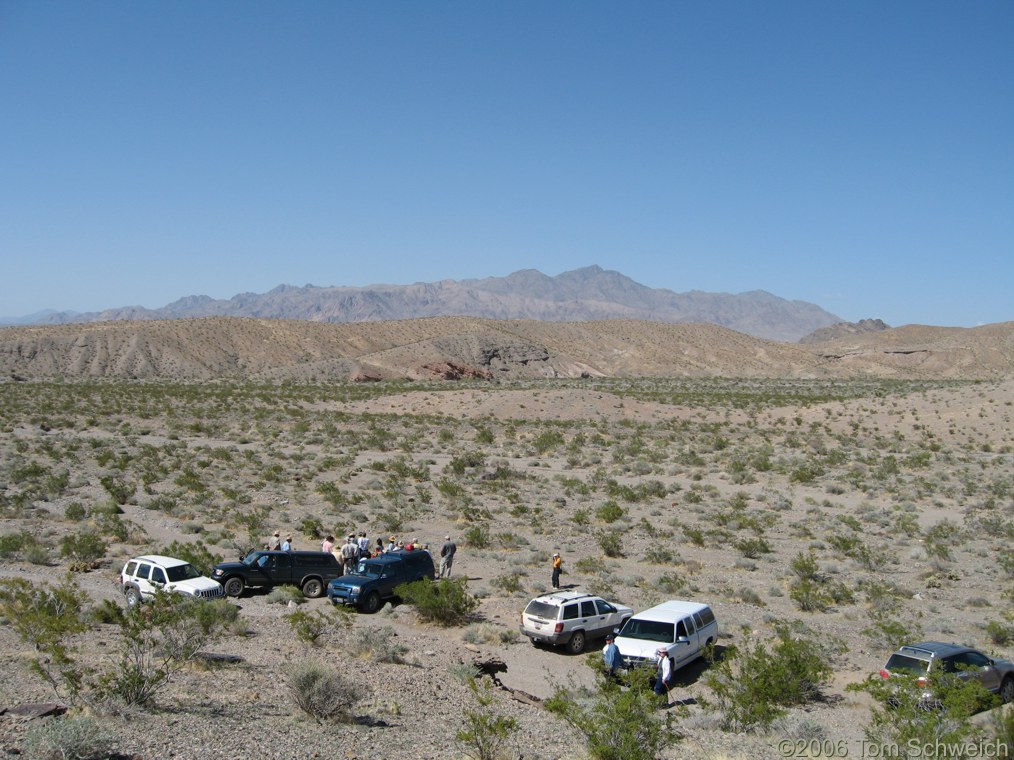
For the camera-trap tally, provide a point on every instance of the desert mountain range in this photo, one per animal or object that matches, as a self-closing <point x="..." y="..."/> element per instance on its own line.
<point x="462" y="347"/>
<point x="586" y="294"/>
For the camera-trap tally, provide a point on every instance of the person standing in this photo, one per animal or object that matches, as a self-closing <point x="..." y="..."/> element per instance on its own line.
<point x="611" y="657"/>
<point x="663" y="674"/>
<point x="364" y="545"/>
<point x="287" y="544"/>
<point x="328" y="544"/>
<point x="350" y="554"/>
<point x="557" y="567"/>
<point x="274" y="541"/>
<point x="447" y="557"/>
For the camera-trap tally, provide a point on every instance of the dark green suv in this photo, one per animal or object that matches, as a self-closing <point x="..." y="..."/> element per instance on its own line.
<point x="377" y="579"/>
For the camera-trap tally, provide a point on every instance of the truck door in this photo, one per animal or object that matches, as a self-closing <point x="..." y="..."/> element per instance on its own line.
<point x="687" y="650"/>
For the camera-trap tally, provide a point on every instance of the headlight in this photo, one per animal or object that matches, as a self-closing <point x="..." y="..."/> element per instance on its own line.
<point x="217" y="572"/>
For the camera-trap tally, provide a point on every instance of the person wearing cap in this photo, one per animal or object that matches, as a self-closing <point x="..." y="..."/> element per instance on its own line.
<point x="611" y="656"/>
<point x="274" y="541"/>
<point x="392" y="545"/>
<point x="663" y="674"/>
<point x="287" y="544"/>
<point x="557" y="566"/>
<point x="447" y="556"/>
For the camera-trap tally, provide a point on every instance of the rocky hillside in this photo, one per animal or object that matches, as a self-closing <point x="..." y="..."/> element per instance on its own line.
<point x="584" y="294"/>
<point x="457" y="347"/>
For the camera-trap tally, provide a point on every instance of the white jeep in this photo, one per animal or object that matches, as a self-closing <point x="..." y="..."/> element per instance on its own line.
<point x="142" y="577"/>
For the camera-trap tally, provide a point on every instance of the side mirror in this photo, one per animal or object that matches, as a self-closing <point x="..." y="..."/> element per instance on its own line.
<point x="682" y="640"/>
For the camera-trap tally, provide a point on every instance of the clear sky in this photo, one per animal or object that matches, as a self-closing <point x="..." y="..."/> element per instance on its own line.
<point x="858" y="155"/>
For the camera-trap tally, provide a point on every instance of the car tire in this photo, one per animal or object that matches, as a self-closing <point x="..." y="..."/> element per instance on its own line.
<point x="133" y="597"/>
<point x="372" y="602"/>
<point x="313" y="588"/>
<point x="233" y="587"/>
<point x="576" y="643"/>
<point x="1007" y="690"/>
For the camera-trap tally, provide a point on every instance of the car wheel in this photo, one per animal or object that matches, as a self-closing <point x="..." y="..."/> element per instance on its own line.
<point x="1007" y="690"/>
<point x="233" y="586"/>
<point x="372" y="602"/>
<point x="576" y="643"/>
<point x="313" y="588"/>
<point x="133" y="596"/>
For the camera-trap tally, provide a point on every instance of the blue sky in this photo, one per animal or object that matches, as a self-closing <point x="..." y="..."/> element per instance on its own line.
<point x="858" y="155"/>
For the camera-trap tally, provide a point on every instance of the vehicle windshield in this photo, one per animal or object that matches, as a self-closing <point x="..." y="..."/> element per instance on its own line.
<point x="901" y="663"/>
<point x="649" y="630"/>
<point x="369" y="569"/>
<point x="182" y="573"/>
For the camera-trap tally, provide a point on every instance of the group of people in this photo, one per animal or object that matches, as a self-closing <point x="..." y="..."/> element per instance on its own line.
<point x="357" y="547"/>
<point x="613" y="662"/>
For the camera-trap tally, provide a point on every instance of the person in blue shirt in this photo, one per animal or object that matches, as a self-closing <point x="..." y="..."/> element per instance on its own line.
<point x="611" y="656"/>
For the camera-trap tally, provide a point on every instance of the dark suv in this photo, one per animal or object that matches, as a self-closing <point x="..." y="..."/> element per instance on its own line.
<point x="310" y="571"/>
<point x="377" y="579"/>
<point x="924" y="660"/>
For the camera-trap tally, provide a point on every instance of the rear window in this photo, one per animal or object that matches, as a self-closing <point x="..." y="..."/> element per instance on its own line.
<point x="707" y="617"/>
<point x="131" y="568"/>
<point x="901" y="663"/>
<point x="539" y="609"/>
<point x="650" y="630"/>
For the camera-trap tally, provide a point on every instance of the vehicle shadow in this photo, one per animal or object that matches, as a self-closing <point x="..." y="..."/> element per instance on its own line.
<point x="691" y="674"/>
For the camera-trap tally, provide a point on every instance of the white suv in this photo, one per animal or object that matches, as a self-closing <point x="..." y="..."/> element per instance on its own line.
<point x="571" y="618"/>
<point x="683" y="629"/>
<point x="141" y="577"/>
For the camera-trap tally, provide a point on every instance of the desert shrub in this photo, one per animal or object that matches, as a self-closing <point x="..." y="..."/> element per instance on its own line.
<point x="477" y="536"/>
<point x="509" y="583"/>
<point x="68" y="738"/>
<point x="312" y="527"/>
<point x="445" y="602"/>
<point x="671" y="583"/>
<point x="753" y="547"/>
<point x="547" y="441"/>
<point x="311" y="627"/>
<point x="810" y="596"/>
<point x="107" y="611"/>
<point x="617" y="723"/>
<point x="486" y="730"/>
<point x="754" y="685"/>
<point x="85" y="546"/>
<point x="46" y="617"/>
<point x="610" y="512"/>
<point x="324" y="694"/>
<point x="1000" y="634"/>
<point x="13" y="544"/>
<point x="194" y="552"/>
<point x="284" y="595"/>
<point x="694" y="535"/>
<point x="159" y="639"/>
<point x="75" y="511"/>
<point x="610" y="543"/>
<point x="902" y="718"/>
<point x="379" y="644"/>
<point x="658" y="555"/>
<point x="118" y="488"/>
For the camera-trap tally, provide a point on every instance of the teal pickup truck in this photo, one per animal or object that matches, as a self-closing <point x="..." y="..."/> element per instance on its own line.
<point x="377" y="579"/>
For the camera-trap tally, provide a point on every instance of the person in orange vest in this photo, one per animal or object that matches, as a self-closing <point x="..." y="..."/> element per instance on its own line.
<point x="557" y="565"/>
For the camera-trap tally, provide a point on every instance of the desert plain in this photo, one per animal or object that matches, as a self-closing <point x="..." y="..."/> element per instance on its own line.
<point x="900" y="489"/>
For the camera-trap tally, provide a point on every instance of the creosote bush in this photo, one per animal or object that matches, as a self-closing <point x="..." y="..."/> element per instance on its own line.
<point x="753" y="685"/>
<point x="618" y="723"/>
<point x="486" y="732"/>
<point x="445" y="601"/>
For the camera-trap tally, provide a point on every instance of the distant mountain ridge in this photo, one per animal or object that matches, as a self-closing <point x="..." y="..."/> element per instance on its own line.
<point x="586" y="294"/>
